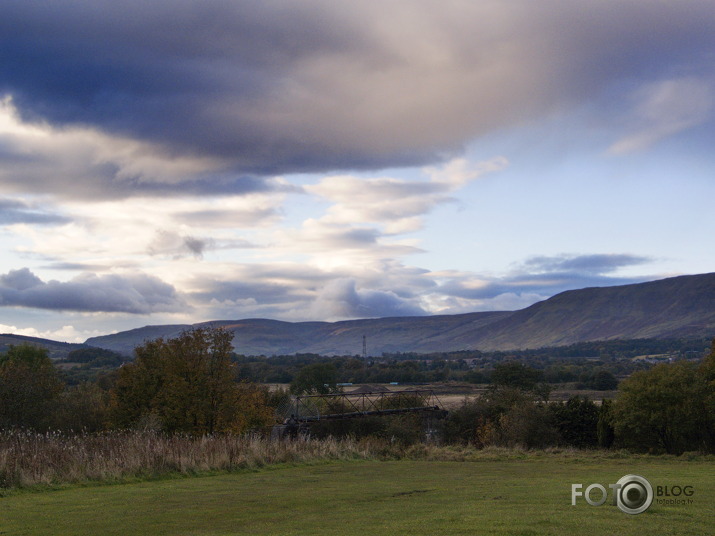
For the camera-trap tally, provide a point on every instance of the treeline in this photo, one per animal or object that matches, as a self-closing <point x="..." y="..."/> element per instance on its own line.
<point x="669" y="408"/>
<point x="585" y="374"/>
<point x="615" y="349"/>
<point x="186" y="385"/>
<point x="194" y="385"/>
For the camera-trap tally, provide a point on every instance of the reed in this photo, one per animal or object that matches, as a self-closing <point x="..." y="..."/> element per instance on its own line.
<point x="35" y="459"/>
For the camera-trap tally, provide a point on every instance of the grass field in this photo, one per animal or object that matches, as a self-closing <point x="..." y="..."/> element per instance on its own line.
<point x="518" y="496"/>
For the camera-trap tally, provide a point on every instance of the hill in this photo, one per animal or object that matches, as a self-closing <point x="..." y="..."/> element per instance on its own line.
<point x="678" y="307"/>
<point x="682" y="307"/>
<point x="56" y="350"/>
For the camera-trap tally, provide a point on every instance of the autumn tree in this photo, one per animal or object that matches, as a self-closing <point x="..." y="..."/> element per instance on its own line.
<point x="188" y="384"/>
<point x="29" y="386"/>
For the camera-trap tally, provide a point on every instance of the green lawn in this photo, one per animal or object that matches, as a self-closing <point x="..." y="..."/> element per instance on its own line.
<point x="513" y="497"/>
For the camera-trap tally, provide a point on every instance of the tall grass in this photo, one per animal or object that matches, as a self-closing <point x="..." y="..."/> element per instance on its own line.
<point x="30" y="459"/>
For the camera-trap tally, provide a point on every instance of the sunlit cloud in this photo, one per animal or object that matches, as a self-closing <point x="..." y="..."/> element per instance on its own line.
<point x="397" y="203"/>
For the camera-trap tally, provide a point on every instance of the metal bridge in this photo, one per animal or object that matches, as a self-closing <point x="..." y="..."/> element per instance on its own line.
<point x="307" y="409"/>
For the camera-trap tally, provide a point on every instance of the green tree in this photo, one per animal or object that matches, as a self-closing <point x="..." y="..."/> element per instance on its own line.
<point x="603" y="380"/>
<point x="187" y="385"/>
<point x="317" y="378"/>
<point x="83" y="407"/>
<point x="577" y="422"/>
<point x="663" y="409"/>
<point x="706" y="372"/>
<point x="515" y="374"/>
<point x="29" y="387"/>
<point x="606" y="434"/>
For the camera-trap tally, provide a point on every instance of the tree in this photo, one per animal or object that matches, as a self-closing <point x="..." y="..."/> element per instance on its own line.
<point x="606" y="434"/>
<point x="603" y="380"/>
<point x="187" y="385"/>
<point x="576" y="422"/>
<point x="515" y="374"/>
<point x="83" y="407"/>
<point x="29" y="386"/>
<point x="317" y="378"/>
<point x="663" y="409"/>
<point x="706" y="372"/>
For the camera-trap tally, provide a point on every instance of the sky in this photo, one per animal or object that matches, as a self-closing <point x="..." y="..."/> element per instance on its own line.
<point x="181" y="161"/>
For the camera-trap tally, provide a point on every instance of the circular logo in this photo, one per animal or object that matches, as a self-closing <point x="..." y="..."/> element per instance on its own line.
<point x="634" y="495"/>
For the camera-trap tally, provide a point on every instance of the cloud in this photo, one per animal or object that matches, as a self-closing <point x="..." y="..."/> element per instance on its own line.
<point x="385" y="287"/>
<point x="299" y="292"/>
<point x="133" y="293"/>
<point x="79" y="162"/>
<point x="398" y="203"/>
<point x="65" y="333"/>
<point x="585" y="264"/>
<point x="341" y="299"/>
<point x="249" y="217"/>
<point x="666" y="108"/>
<point x="246" y="89"/>
<point x="541" y="277"/>
<point x="332" y="244"/>
<point x="173" y="244"/>
<point x="13" y="211"/>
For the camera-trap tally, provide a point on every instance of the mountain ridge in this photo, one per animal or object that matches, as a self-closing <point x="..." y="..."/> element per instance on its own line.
<point x="682" y="306"/>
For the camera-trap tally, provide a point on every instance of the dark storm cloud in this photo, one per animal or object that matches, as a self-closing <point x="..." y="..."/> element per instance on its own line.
<point x="136" y="294"/>
<point x="274" y="87"/>
<point x="14" y="211"/>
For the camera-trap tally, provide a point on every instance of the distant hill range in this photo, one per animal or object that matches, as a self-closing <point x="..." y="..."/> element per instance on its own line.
<point x="55" y="349"/>
<point x="678" y="307"/>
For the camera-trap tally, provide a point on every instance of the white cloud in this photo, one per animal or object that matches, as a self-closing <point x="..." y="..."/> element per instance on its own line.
<point x="397" y="203"/>
<point x="64" y="333"/>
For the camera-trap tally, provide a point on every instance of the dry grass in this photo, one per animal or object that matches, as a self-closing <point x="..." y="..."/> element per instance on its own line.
<point x="31" y="459"/>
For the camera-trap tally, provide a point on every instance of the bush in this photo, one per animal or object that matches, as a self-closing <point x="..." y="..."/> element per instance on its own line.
<point x="502" y="417"/>
<point x="576" y="422"/>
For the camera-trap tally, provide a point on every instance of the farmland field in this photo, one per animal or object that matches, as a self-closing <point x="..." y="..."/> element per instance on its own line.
<point x="529" y="495"/>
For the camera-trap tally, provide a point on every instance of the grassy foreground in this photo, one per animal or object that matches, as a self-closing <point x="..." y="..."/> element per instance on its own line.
<point x="515" y="496"/>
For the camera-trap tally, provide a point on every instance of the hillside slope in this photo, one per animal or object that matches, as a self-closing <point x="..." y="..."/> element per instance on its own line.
<point x="55" y="349"/>
<point x="675" y="307"/>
